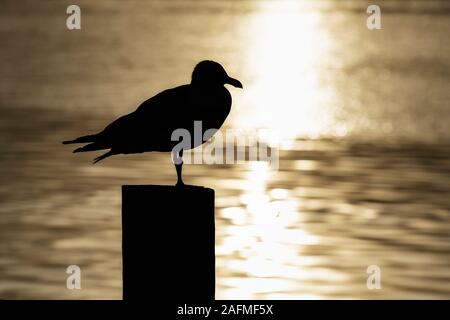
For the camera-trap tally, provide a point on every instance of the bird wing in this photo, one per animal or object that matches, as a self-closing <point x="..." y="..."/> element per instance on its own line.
<point x="168" y="106"/>
<point x="151" y="125"/>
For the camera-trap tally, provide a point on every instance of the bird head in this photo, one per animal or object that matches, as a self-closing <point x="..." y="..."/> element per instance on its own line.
<point x="209" y="73"/>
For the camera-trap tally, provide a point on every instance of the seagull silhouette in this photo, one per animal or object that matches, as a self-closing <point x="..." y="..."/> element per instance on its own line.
<point x="150" y="126"/>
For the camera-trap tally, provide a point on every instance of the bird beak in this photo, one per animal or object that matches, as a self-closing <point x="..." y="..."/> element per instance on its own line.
<point x="234" y="82"/>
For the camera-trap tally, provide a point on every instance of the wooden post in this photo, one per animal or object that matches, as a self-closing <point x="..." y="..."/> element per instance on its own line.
<point x="168" y="242"/>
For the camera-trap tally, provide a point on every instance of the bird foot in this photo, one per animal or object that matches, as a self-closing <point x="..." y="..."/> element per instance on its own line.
<point x="180" y="183"/>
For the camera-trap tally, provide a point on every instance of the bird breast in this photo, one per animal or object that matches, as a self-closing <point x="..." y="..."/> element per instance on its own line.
<point x="210" y="106"/>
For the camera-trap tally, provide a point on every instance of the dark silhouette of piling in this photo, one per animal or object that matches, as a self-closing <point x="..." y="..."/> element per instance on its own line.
<point x="168" y="242"/>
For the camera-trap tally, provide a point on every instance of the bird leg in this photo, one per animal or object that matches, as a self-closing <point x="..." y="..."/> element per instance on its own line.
<point x="179" y="167"/>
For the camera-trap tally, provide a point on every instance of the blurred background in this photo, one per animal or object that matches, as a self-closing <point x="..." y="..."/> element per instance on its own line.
<point x="361" y="118"/>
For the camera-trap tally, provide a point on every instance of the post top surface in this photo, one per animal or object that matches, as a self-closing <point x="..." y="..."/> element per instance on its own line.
<point x="185" y="188"/>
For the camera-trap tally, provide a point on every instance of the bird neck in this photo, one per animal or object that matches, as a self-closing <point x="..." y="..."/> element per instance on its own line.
<point x="206" y="85"/>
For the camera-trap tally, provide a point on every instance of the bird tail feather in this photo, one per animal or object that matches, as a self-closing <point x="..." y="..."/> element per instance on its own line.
<point x="91" y="147"/>
<point x="103" y="156"/>
<point x="83" y="139"/>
